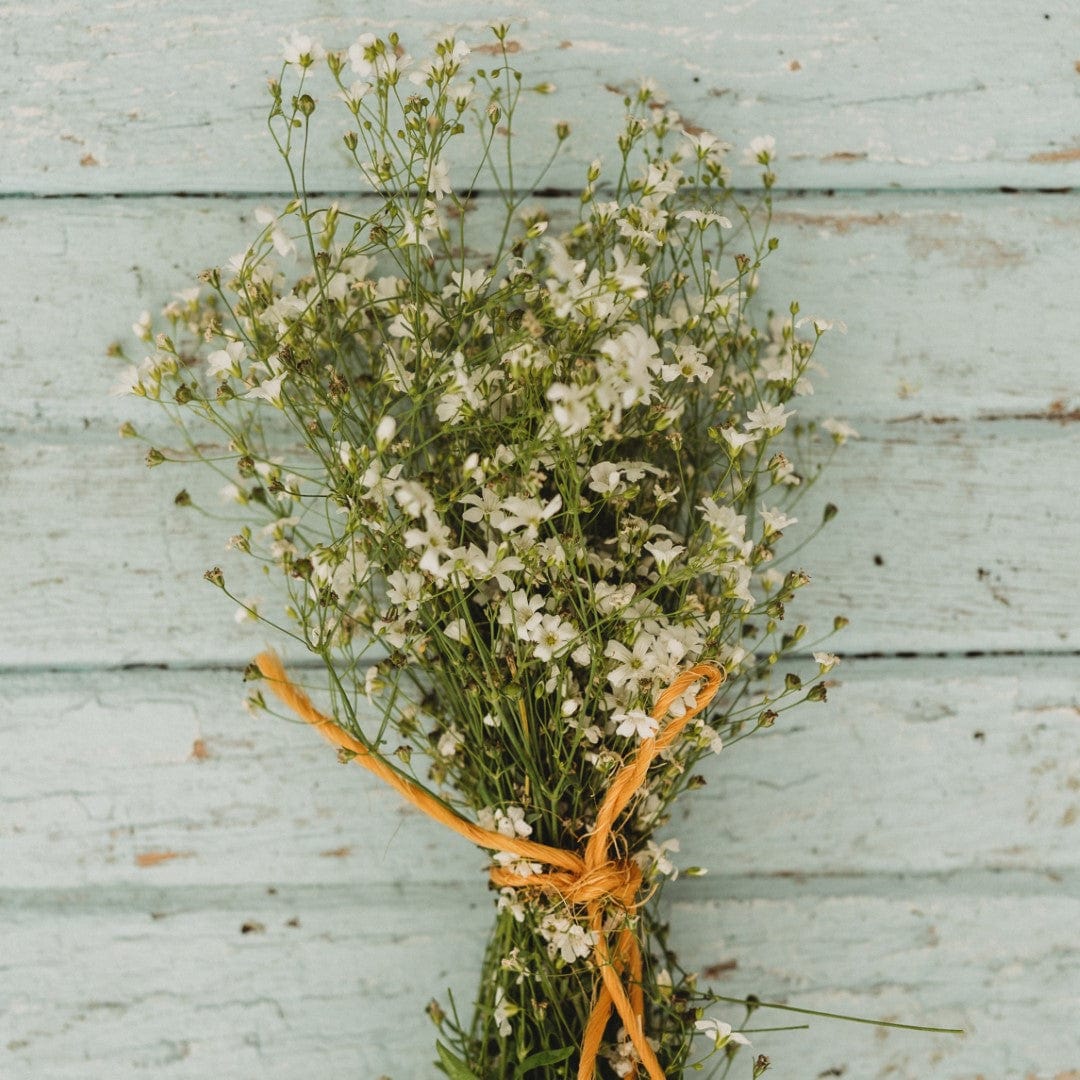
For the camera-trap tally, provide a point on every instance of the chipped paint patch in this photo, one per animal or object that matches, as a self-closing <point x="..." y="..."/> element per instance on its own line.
<point x="494" y="49"/>
<point x="156" y="858"/>
<point x="846" y="155"/>
<point x="1051" y="157"/>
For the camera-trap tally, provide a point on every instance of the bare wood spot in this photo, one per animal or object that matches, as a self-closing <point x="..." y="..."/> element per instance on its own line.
<point x="496" y="49"/>
<point x="199" y="751"/>
<point x="840" y="223"/>
<point x="88" y="159"/>
<point x="611" y="88"/>
<point x="846" y="155"/>
<point x="566" y="44"/>
<point x="336" y="853"/>
<point x="155" y="858"/>
<point x="794" y="65"/>
<point x="1070" y="816"/>
<point x="722" y="967"/>
<point x="252" y="927"/>
<point x="1076" y="67"/>
<point x="1050" y="157"/>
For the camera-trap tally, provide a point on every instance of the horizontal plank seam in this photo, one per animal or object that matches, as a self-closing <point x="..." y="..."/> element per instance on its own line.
<point x="993" y="882"/>
<point x="195" y="666"/>
<point x="552" y="193"/>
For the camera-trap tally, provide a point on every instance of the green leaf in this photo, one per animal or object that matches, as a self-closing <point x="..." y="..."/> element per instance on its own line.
<point x="545" y="1057"/>
<point x="453" y="1066"/>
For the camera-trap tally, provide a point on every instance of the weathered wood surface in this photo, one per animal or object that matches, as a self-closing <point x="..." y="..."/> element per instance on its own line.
<point x="952" y="539"/>
<point x="332" y="982"/>
<point x="936" y="291"/>
<point x="954" y="906"/>
<point x="909" y="850"/>
<point x="158" y="777"/>
<point x="160" y="97"/>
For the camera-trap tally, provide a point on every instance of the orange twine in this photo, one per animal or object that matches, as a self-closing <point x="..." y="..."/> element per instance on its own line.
<point x="596" y="879"/>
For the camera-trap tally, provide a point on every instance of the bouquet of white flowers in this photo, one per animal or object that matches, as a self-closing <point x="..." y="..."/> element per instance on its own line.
<point x="523" y="482"/>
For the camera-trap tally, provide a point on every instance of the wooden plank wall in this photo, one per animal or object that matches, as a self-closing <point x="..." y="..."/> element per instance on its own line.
<point x="188" y="892"/>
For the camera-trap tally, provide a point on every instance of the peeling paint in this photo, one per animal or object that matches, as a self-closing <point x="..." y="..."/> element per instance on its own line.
<point x="1050" y="157"/>
<point x="494" y="49"/>
<point x="155" y="858"/>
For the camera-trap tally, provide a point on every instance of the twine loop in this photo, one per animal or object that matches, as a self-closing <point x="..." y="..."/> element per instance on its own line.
<point x="593" y="879"/>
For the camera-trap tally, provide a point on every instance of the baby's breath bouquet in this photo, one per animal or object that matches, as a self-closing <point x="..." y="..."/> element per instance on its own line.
<point x="521" y="475"/>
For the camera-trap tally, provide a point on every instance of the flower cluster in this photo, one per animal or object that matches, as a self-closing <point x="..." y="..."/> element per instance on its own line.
<point x="538" y="465"/>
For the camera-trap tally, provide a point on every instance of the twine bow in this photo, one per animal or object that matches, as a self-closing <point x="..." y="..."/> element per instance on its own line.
<point x="598" y="880"/>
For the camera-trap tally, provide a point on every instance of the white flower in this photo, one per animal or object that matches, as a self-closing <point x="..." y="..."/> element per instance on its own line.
<point x="775" y="519"/>
<point x="604" y="478"/>
<point x="712" y="737"/>
<point x="511" y="822"/>
<point x="768" y="418"/>
<point x="502" y="1012"/>
<point x="760" y="150"/>
<point x="665" y="552"/>
<point x="689" y="364"/>
<point x="633" y="666"/>
<point x="385" y="432"/>
<point x="611" y="598"/>
<point x="508" y="901"/>
<point x="723" y="520"/>
<point x="839" y="430"/>
<point x="551" y="635"/>
<point x="438" y="181"/>
<point x="570" y="407"/>
<point x="518" y="513"/>
<point x="734" y="439"/>
<point x="268" y="390"/>
<point x="226" y="362"/>
<point x="302" y="50"/>
<point x="822" y="326"/>
<point x="826" y="660"/>
<point x="655" y="855"/>
<point x="283" y="245"/>
<point x="703" y="218"/>
<point x="129" y="382"/>
<point x="635" y="722"/>
<point x="450" y="742"/>
<point x="566" y="938"/>
<point x="720" y="1033"/>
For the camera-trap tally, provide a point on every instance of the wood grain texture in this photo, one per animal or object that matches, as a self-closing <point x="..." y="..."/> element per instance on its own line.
<point x="923" y="822"/>
<point x="937" y="767"/>
<point x="952" y="539"/>
<point x="332" y="983"/>
<point x="157" y="97"/>
<point x="932" y="288"/>
<point x="189" y="892"/>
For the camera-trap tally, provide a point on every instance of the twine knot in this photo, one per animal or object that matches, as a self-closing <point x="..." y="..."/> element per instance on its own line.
<point x="593" y="879"/>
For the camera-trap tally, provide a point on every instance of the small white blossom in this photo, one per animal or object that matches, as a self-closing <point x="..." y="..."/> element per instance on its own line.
<point x="566" y="938"/>
<point x="826" y="660"/>
<point x="635" y="722"/>
<point x="772" y="419"/>
<point x="839" y="430"/>
<point x="775" y="519"/>
<point x="720" y="1033"/>
<point x="760" y="150"/>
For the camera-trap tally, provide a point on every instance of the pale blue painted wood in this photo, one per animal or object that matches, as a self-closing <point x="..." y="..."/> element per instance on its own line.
<point x="896" y="267"/>
<point x="170" y="986"/>
<point x="952" y="537"/>
<point x="159" y="97"/>
<point x="895" y="862"/>
<point x="921" y="768"/>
